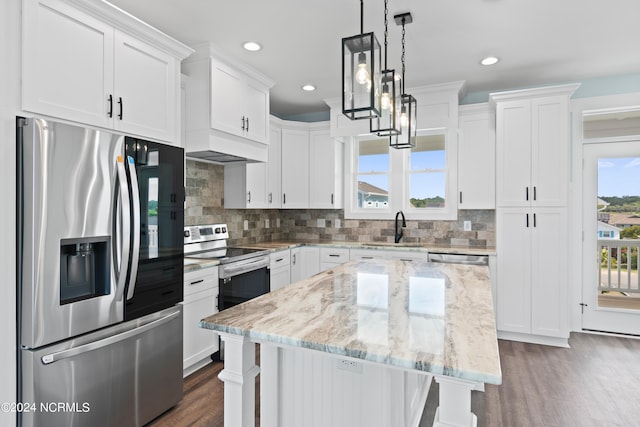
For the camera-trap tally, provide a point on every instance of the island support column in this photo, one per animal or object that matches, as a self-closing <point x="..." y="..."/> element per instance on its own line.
<point x="455" y="403"/>
<point x="239" y="377"/>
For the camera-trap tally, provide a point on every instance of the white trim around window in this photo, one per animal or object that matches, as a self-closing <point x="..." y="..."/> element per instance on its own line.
<point x="398" y="181"/>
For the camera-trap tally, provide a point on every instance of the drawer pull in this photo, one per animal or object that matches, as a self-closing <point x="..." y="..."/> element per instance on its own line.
<point x="334" y="255"/>
<point x="196" y="282"/>
<point x="279" y="259"/>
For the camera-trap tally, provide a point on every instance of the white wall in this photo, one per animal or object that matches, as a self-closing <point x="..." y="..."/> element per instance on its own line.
<point x="9" y="98"/>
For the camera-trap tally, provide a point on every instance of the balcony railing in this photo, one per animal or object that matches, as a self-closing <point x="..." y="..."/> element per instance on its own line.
<point x="619" y="265"/>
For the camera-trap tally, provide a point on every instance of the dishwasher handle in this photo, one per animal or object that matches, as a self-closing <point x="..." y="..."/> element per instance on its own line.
<point x="448" y="258"/>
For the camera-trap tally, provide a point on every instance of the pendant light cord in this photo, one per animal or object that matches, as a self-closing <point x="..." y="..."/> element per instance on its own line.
<point x="386" y="32"/>
<point x="361" y="16"/>
<point x="402" y="57"/>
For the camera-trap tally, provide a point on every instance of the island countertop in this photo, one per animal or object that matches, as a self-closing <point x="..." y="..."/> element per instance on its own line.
<point x="417" y="315"/>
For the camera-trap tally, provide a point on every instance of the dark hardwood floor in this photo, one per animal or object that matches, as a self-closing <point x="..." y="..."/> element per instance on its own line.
<point x="594" y="383"/>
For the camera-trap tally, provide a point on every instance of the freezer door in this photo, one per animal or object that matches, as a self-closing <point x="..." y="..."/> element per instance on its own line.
<point x="74" y="230"/>
<point x="122" y="376"/>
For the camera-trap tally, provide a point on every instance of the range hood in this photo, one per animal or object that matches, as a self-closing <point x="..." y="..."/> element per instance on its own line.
<point x="216" y="157"/>
<point x="220" y="147"/>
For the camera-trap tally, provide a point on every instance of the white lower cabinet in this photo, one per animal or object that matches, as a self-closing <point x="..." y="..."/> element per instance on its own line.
<point x="366" y="254"/>
<point x="407" y="255"/>
<point x="305" y="262"/>
<point x="333" y="257"/>
<point x="279" y="269"/>
<point x="200" y="301"/>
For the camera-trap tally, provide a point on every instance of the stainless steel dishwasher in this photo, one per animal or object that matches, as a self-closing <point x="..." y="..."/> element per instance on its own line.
<point x="449" y="258"/>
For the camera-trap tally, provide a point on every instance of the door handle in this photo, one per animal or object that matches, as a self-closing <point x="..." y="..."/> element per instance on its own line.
<point x="135" y="210"/>
<point x="122" y="230"/>
<point x="121" y="107"/>
<point x="110" y="113"/>
<point x="64" y="354"/>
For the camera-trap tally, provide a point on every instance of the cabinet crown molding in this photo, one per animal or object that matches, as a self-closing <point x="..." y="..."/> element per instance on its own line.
<point x="208" y="50"/>
<point x="514" y="95"/>
<point x="133" y="26"/>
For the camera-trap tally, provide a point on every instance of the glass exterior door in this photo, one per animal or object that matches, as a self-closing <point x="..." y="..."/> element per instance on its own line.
<point x="611" y="199"/>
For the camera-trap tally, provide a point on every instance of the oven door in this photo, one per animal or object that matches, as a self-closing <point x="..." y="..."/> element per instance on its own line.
<point x="243" y="280"/>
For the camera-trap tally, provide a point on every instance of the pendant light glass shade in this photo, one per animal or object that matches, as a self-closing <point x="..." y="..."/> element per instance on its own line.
<point x="388" y="122"/>
<point x="361" y="67"/>
<point x="408" y="124"/>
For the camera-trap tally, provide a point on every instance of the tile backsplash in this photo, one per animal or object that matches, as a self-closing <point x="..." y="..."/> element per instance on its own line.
<point x="205" y="205"/>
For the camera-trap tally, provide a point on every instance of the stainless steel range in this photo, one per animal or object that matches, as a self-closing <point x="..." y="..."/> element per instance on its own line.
<point x="243" y="272"/>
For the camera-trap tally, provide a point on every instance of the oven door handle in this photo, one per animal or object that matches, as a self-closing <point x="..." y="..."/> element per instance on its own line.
<point x="241" y="267"/>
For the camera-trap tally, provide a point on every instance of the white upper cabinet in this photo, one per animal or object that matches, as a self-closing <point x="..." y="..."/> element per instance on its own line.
<point x="227" y="107"/>
<point x="274" y="167"/>
<point x="532" y="135"/>
<point x="245" y="186"/>
<point x="325" y="170"/>
<point x="476" y="157"/>
<point x="239" y="104"/>
<point x="86" y="62"/>
<point x="295" y="168"/>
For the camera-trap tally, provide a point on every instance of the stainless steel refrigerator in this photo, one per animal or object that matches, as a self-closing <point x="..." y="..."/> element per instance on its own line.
<point x="100" y="266"/>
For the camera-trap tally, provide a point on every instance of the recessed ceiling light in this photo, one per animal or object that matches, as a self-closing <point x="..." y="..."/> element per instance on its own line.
<point x="252" y="46"/>
<point x="489" y="60"/>
<point x="308" y="88"/>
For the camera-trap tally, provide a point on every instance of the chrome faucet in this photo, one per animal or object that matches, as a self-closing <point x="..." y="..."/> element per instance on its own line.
<point x="398" y="230"/>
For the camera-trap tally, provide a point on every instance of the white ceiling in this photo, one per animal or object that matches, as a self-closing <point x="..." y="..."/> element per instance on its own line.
<point x="539" y="41"/>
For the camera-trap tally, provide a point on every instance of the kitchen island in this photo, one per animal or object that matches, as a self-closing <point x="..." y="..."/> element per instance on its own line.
<point x="362" y="340"/>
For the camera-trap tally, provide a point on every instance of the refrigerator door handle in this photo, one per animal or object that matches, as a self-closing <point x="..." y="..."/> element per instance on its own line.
<point x="65" y="354"/>
<point x="135" y="211"/>
<point x="122" y="232"/>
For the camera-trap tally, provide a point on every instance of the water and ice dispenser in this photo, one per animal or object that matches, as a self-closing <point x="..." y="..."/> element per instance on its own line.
<point x="84" y="268"/>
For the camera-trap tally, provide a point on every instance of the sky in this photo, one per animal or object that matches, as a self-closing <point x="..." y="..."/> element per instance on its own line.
<point x="619" y="176"/>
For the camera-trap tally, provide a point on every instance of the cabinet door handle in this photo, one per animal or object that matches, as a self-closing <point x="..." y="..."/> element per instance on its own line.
<point x="284" y="199"/>
<point x="527" y="220"/>
<point x="535" y="197"/>
<point x="534" y="220"/>
<point x="121" y="108"/>
<point x="270" y="198"/>
<point x="247" y="129"/>
<point x="461" y="197"/>
<point x="334" y="255"/>
<point x="196" y="282"/>
<point x="248" y="196"/>
<point x="294" y="258"/>
<point x="279" y="259"/>
<point x="527" y="193"/>
<point x="110" y="113"/>
<point x="366" y="257"/>
<point x="332" y="198"/>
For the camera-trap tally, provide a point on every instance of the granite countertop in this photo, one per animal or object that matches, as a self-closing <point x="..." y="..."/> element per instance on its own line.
<point x="285" y="244"/>
<point x="414" y="315"/>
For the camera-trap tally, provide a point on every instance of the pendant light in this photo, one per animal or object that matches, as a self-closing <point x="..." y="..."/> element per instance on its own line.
<point x="361" y="66"/>
<point x="387" y="123"/>
<point x="408" y="105"/>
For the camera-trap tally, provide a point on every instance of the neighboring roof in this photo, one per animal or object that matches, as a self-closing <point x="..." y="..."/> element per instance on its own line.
<point x="365" y="187"/>
<point x="619" y="219"/>
<point x="605" y="226"/>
